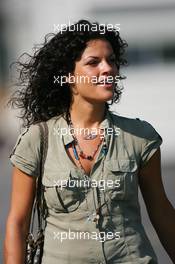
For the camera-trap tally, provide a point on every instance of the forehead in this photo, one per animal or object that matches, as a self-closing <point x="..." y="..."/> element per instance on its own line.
<point x="97" y="46"/>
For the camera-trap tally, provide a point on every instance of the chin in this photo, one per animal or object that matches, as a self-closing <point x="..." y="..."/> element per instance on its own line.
<point x="107" y="97"/>
<point x="101" y="98"/>
<point x="104" y="99"/>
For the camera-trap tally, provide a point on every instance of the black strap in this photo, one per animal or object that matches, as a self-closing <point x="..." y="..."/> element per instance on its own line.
<point x="39" y="205"/>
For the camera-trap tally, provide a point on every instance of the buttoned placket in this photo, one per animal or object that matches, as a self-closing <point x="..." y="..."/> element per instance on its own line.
<point x="66" y="139"/>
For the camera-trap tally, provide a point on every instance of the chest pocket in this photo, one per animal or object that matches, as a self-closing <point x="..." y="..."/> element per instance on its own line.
<point x="62" y="191"/>
<point x="123" y="174"/>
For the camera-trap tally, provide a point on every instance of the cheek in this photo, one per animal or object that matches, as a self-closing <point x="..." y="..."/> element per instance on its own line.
<point x="86" y="88"/>
<point x="86" y="76"/>
<point x="85" y="83"/>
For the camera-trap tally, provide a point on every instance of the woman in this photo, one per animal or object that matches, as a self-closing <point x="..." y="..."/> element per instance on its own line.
<point x="90" y="178"/>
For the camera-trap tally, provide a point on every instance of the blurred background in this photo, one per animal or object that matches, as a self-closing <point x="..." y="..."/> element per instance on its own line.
<point x="149" y="94"/>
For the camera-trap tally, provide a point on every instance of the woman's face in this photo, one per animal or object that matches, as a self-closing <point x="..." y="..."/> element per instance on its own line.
<point x="95" y="72"/>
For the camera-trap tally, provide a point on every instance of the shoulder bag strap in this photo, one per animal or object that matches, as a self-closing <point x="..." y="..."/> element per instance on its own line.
<point x="41" y="206"/>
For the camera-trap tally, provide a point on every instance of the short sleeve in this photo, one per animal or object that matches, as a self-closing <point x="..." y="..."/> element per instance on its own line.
<point x="150" y="143"/>
<point x="26" y="152"/>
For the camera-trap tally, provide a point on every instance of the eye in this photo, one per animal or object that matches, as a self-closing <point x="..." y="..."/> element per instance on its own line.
<point x="93" y="62"/>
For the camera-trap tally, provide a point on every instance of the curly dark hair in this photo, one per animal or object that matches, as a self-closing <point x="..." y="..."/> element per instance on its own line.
<point x="37" y="96"/>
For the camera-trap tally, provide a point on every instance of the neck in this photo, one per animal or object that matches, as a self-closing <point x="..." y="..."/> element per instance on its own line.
<point x="87" y="115"/>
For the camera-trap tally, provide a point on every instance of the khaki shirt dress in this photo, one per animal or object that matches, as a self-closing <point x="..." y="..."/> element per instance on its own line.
<point x="70" y="236"/>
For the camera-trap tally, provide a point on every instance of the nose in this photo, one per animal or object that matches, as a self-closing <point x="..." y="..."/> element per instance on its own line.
<point x="106" y="67"/>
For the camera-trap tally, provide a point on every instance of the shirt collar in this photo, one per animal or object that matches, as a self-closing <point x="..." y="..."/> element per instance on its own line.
<point x="66" y="135"/>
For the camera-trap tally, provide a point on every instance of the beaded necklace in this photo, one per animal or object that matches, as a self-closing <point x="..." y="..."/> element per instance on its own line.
<point x="95" y="216"/>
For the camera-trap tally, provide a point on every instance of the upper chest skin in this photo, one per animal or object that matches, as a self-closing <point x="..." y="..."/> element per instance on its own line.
<point x="88" y="147"/>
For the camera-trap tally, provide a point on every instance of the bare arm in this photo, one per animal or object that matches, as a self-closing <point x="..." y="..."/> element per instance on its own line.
<point x="17" y="226"/>
<point x="160" y="210"/>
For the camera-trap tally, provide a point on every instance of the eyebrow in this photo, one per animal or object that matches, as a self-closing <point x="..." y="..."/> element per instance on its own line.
<point x="96" y="57"/>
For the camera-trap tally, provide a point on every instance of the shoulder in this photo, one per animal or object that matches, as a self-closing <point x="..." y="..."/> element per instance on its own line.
<point x="138" y="136"/>
<point x="28" y="137"/>
<point x="31" y="132"/>
<point x="135" y="126"/>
